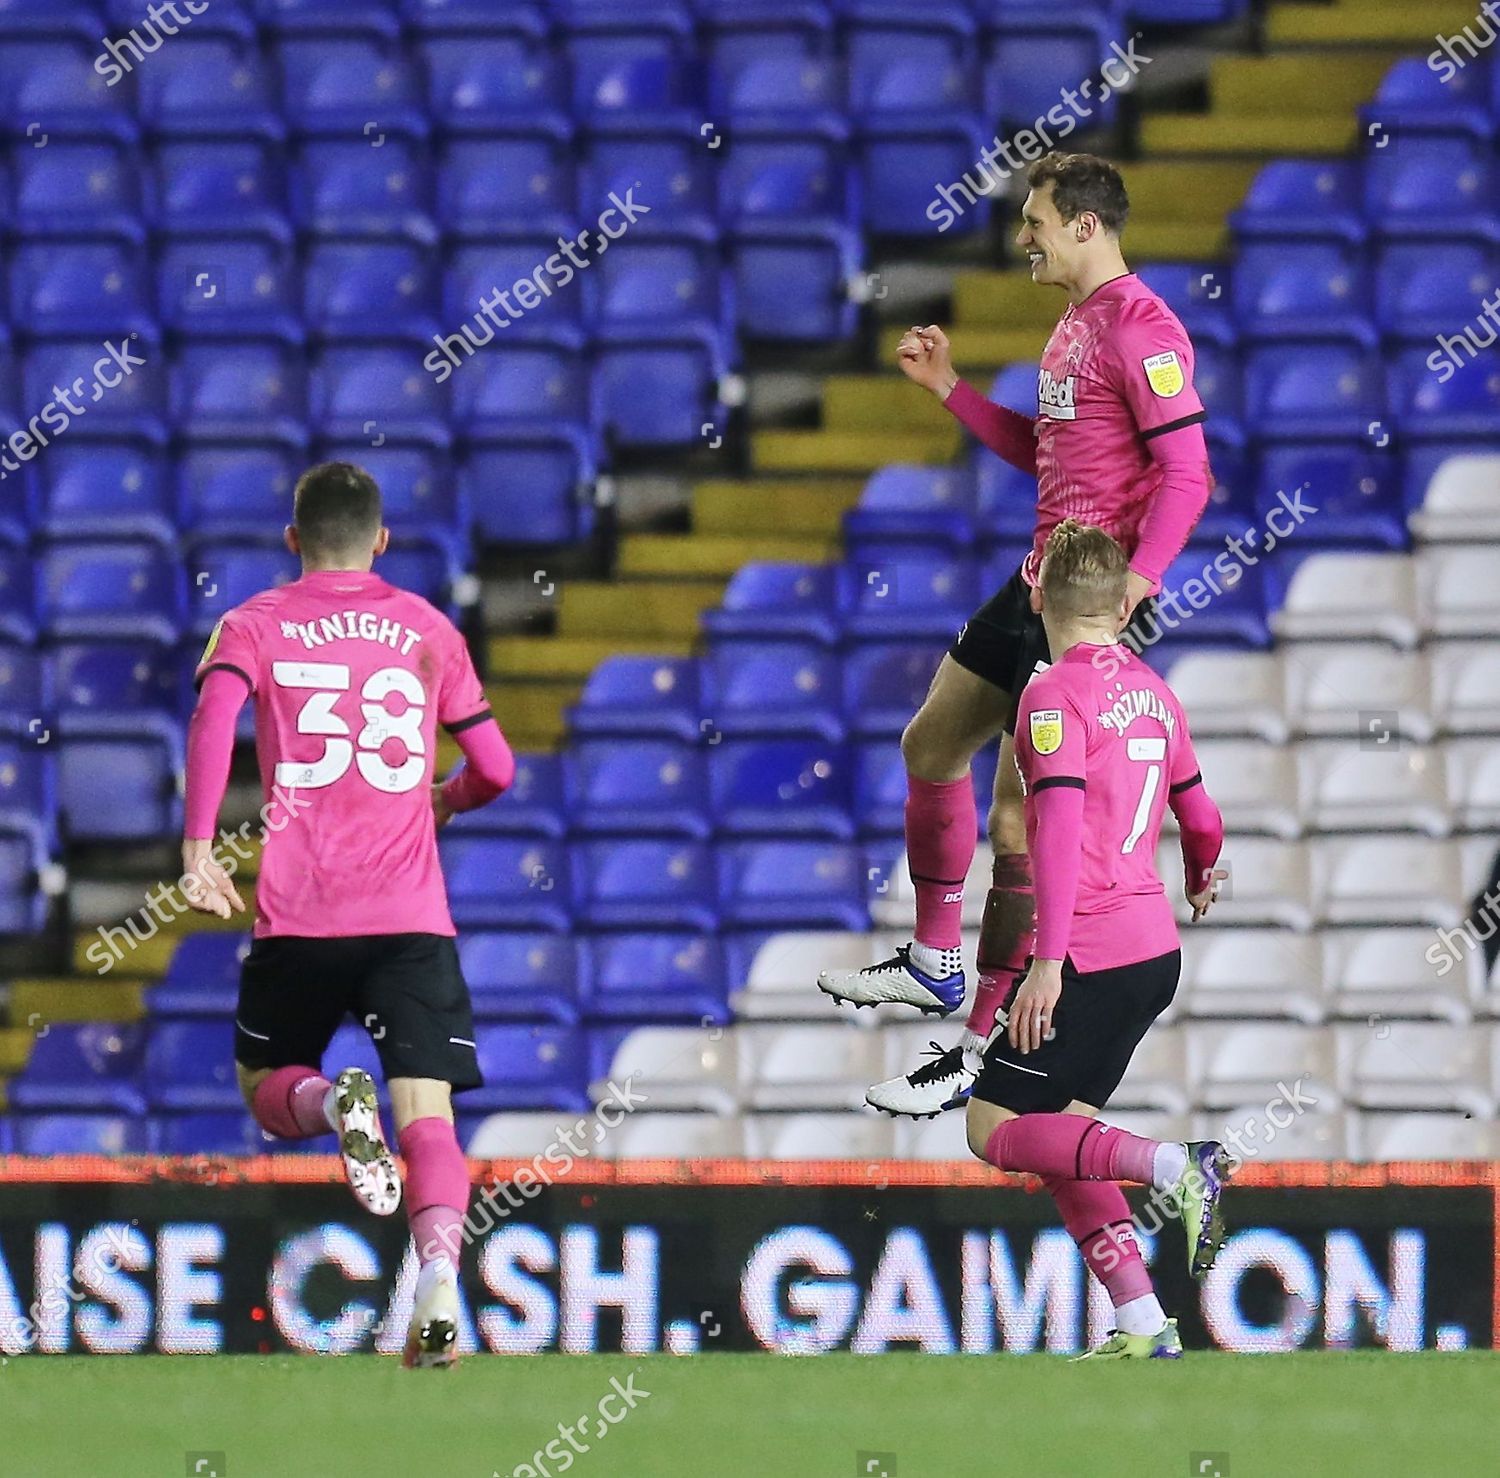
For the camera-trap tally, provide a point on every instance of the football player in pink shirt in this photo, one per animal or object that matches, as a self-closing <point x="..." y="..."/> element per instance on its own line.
<point x="1117" y="441"/>
<point x="1102" y="749"/>
<point x="351" y="678"/>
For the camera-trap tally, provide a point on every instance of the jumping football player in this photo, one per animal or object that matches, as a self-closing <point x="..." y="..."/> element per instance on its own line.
<point x="1118" y="441"/>
<point x="1103" y="749"/>
<point x="351" y="678"/>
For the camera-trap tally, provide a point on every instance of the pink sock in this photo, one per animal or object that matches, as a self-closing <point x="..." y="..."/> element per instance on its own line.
<point x="1071" y="1147"/>
<point x="992" y="992"/>
<point x="437" y="1188"/>
<point x="289" y="1103"/>
<point x="1098" y="1220"/>
<point x="941" y="835"/>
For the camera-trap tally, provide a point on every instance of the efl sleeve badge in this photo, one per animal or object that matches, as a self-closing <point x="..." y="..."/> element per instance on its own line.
<point x="1046" y="730"/>
<point x="1164" y="374"/>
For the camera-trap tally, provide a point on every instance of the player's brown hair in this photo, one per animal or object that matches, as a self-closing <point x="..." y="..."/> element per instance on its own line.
<point x="1083" y="182"/>
<point x="1083" y="571"/>
<point x="336" y="507"/>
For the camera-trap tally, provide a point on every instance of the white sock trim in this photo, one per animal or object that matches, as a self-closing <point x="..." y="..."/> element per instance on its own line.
<point x="932" y="960"/>
<point x="1143" y="1315"/>
<point x="1168" y="1164"/>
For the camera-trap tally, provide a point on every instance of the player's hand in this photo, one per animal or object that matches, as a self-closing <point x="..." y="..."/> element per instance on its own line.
<point x="206" y="884"/>
<point x="1206" y="897"/>
<point x="924" y="358"/>
<point x="1030" y="1010"/>
<point x="1137" y="588"/>
<point x="442" y="812"/>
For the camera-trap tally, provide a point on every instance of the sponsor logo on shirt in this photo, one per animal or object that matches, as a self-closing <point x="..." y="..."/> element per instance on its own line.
<point x="1057" y="398"/>
<point x="1164" y="374"/>
<point x="1046" y="730"/>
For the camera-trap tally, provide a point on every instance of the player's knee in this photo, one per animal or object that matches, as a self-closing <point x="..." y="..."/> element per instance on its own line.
<point x="420" y="1098"/>
<point x="929" y="750"/>
<point x="978" y="1126"/>
<point x="250" y="1078"/>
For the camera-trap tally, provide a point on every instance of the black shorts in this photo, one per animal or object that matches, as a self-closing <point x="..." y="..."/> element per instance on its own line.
<point x="1003" y="640"/>
<point x="1098" y="1023"/>
<point x="406" y="990"/>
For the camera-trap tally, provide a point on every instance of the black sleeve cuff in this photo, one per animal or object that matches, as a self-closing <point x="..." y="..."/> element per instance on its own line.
<point x="1052" y="782"/>
<point x="1188" y="784"/>
<point x="459" y="725"/>
<point x="1192" y="420"/>
<point x="222" y="667"/>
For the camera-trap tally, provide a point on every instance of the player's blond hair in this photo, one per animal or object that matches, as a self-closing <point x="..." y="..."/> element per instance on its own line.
<point x="1083" y="571"/>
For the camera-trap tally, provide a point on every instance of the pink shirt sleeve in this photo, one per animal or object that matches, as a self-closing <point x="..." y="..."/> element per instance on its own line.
<point x="1051" y="745"/>
<point x="1007" y="433"/>
<point x="210" y="749"/>
<point x="1150" y="358"/>
<point x="464" y="710"/>
<point x="1198" y="817"/>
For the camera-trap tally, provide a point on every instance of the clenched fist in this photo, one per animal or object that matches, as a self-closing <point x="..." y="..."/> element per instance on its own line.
<point x="924" y="357"/>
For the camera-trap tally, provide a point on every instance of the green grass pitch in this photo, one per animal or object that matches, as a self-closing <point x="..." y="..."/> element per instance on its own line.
<point x="1355" y="1415"/>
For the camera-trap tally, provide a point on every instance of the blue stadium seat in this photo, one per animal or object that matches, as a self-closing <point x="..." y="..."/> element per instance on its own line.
<point x="914" y="597"/>
<point x="376" y="18"/>
<point x="350" y="84"/>
<point x="677" y="185"/>
<point x="1414" y="98"/>
<point x="109" y="590"/>
<point x="105" y="488"/>
<point x="1230" y="509"/>
<point x="122" y="389"/>
<point x="657" y="281"/>
<point x="477" y="84"/>
<point x="73" y="186"/>
<point x="23" y="905"/>
<point x="18" y="621"/>
<point x="28" y="778"/>
<point x="376" y="290"/>
<point x="794" y="96"/>
<point x="736" y="32"/>
<point x="1415" y="177"/>
<point x="225" y="574"/>
<point x="539" y="379"/>
<point x="885" y="684"/>
<point x="635" y="787"/>
<point x="797" y="181"/>
<point x="225" y="1133"/>
<point x="1004" y="496"/>
<point x="135" y="759"/>
<point x="880" y="789"/>
<point x="1302" y="290"/>
<point x="207" y="86"/>
<point x="53" y="84"/>
<point x="25" y="688"/>
<point x="1297" y="199"/>
<point x="659" y="387"/>
<point x="426" y="565"/>
<point x="522" y="975"/>
<point x="82" y="1134"/>
<point x="531" y="487"/>
<point x="796" y="280"/>
<point x="351" y="1046"/>
<point x="94" y="1068"/>
<point x="535" y="804"/>
<point x="525" y="184"/>
<point x="1199" y="294"/>
<point x="905" y="505"/>
<point x="1185" y="12"/>
<point x="530" y="1067"/>
<point x="655" y="697"/>
<point x="1356" y="490"/>
<point x="1217" y="377"/>
<point x="1427" y="288"/>
<point x="1324" y="390"/>
<point x="1464" y="403"/>
<point x="792" y="885"/>
<point x="200" y="183"/>
<point x="902" y="164"/>
<point x="1034" y="57"/>
<point x="88" y="288"/>
<point x="644" y="884"/>
<point x="529" y="18"/>
<point x="507" y="882"/>
<point x="202" y="977"/>
<point x="781" y="787"/>
<point x="657" y="977"/>
<point x="67" y="18"/>
<point x="230" y="285"/>
<point x="116" y="677"/>
<point x="227" y="490"/>
<point x="768" y="689"/>
<point x="885" y="33"/>
<point x="766" y="601"/>
<point x="478" y="272"/>
<point x="340" y="187"/>
<point x="241" y="389"/>
<point x="420" y="500"/>
<point x="365" y="391"/>
<point x="1236" y="616"/>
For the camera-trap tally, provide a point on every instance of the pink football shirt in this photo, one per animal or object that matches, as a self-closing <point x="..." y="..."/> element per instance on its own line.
<point x="351" y="678"/>
<point x="1117" y="371"/>
<point x="1102" y="721"/>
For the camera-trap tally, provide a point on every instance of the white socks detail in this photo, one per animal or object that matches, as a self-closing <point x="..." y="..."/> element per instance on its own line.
<point x="1167" y="1167"/>
<point x="1143" y="1315"/>
<point x="936" y="962"/>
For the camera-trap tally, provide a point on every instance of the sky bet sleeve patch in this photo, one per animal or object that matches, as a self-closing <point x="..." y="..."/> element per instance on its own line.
<point x="1046" y="730"/>
<point x="1164" y="374"/>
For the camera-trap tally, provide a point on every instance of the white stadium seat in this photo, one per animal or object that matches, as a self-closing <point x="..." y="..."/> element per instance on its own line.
<point x="1426" y="1137"/>
<point x="858" y="1136"/>
<point x="893" y="903"/>
<point x="1347" y="786"/>
<point x="646" y="1136"/>
<point x="1466" y="686"/>
<point x="783" y="983"/>
<point x="1267" y="883"/>
<point x="1254" y="784"/>
<point x="1274" y="1130"/>
<point x="1266" y="973"/>
<point x="807" y="1067"/>
<point x="1473" y="774"/>
<point x="1231" y="695"/>
<point x="1418" y="1065"/>
<point x="1149" y="1123"/>
<point x="525" y="1136"/>
<point x="1460" y="594"/>
<point x="1157" y="1075"/>
<point x="679" y="1067"/>
<point x="1387" y="880"/>
<point x="1358" y="689"/>
<point x="1351" y="596"/>
<point x="1230" y="1065"/>
<point x="1462" y="501"/>
<point x="1380" y="975"/>
<point x="941" y="1138"/>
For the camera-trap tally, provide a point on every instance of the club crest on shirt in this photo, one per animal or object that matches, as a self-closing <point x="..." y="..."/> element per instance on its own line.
<point x="1046" y="730"/>
<point x="1164" y="374"/>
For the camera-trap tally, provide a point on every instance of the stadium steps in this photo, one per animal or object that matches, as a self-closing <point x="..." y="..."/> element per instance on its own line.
<point x="853" y="451"/>
<point x="635" y="609"/>
<point x="42" y="1001"/>
<point x="563" y="657"/>
<point x="715" y="556"/>
<point x="532" y="714"/>
<point x="779" y="507"/>
<point x="1395" y="22"/>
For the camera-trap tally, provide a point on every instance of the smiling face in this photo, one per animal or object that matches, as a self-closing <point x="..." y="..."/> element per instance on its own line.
<point x="1051" y="244"/>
